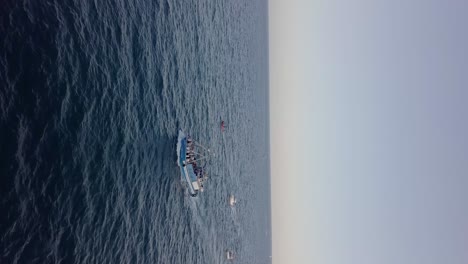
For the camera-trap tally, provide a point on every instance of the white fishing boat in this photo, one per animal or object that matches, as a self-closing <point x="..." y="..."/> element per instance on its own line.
<point x="190" y="154"/>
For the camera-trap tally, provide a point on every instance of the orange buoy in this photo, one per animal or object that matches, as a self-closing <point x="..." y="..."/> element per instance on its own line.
<point x="222" y="126"/>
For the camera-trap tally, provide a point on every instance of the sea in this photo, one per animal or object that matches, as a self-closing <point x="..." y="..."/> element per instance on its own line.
<point x="92" y="96"/>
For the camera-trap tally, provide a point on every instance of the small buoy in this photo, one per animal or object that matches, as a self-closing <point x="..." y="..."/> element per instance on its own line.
<point x="222" y="126"/>
<point x="232" y="200"/>
<point x="229" y="255"/>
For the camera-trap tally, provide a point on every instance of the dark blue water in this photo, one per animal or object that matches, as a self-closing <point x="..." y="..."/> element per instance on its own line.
<point x="92" y="94"/>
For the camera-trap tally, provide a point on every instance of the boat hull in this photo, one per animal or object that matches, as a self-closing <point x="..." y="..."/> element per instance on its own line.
<point x="186" y="170"/>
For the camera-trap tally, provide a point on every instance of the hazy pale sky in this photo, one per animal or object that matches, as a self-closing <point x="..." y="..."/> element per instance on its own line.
<point x="369" y="127"/>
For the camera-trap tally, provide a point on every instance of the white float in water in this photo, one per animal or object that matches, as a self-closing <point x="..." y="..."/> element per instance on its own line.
<point x="229" y="255"/>
<point x="232" y="200"/>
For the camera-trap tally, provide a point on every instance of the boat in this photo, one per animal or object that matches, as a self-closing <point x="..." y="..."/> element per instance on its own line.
<point x="230" y="255"/>
<point x="190" y="154"/>
<point x="232" y="200"/>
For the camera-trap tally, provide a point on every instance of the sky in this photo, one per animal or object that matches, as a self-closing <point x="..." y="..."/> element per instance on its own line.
<point x="369" y="127"/>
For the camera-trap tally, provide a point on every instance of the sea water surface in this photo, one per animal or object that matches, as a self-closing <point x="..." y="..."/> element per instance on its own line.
<point x="92" y="94"/>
